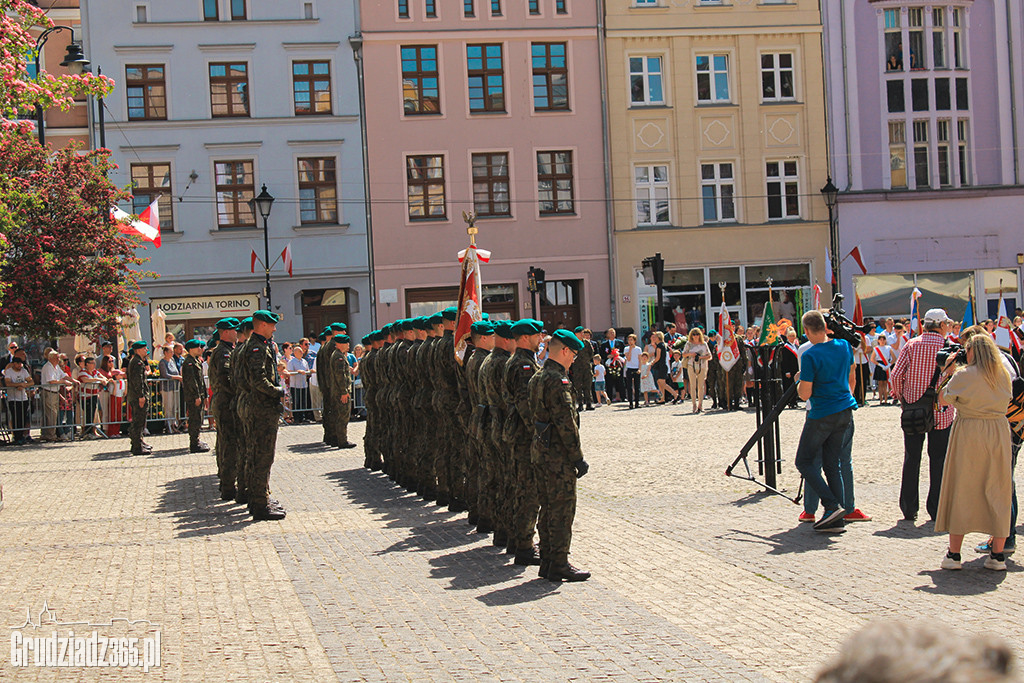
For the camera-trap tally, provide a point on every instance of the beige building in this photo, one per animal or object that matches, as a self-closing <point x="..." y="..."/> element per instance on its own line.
<point x="718" y="151"/>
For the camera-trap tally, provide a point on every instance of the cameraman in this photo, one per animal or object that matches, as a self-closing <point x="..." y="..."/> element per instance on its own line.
<point x="826" y="380"/>
<point x="910" y="377"/>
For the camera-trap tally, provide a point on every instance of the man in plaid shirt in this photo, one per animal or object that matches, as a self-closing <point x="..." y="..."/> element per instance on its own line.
<point x="910" y="376"/>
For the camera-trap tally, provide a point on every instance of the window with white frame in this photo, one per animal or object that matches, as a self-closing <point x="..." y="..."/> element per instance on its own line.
<point x="893" y="40"/>
<point x="939" y="38"/>
<point x="712" y="78"/>
<point x="652" y="192"/>
<point x="645" y="81"/>
<point x="777" y="77"/>
<point x="645" y="3"/>
<point x="942" y="153"/>
<point x="915" y="34"/>
<point x="718" y="192"/>
<point x="959" y="60"/>
<point x="962" y="160"/>
<point x="783" y="186"/>
<point x="897" y="154"/>
<point x="921" y="162"/>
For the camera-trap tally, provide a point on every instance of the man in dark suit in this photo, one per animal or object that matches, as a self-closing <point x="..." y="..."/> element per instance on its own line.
<point x="789" y="361"/>
<point x="11" y="348"/>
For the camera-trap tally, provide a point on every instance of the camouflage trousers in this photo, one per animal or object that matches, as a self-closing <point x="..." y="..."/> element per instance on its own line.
<point x="262" y="429"/>
<point x="371" y="449"/>
<point x="195" y="421"/>
<point x="583" y="386"/>
<point x="327" y="416"/>
<point x="730" y="387"/>
<point x="341" y="414"/>
<point x="526" y="503"/>
<point x="504" y="483"/>
<point x="556" y="480"/>
<point x="227" y="441"/>
<point x="426" y="453"/>
<point x="245" y="442"/>
<point x="138" y="423"/>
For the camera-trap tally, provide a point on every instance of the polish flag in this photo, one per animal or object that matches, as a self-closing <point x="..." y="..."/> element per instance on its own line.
<point x="252" y="261"/>
<point x="915" y="317"/>
<point x="286" y="258"/>
<point x="817" y="296"/>
<point x="728" y="349"/>
<point x="470" y="298"/>
<point x="855" y="253"/>
<point x="147" y="226"/>
<point x="1006" y="338"/>
<point x="482" y="255"/>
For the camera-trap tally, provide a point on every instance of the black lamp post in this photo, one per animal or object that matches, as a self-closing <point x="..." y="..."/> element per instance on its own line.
<point x="74" y="60"/>
<point x="830" y="193"/>
<point x="654" y="274"/>
<point x="261" y="204"/>
<point x="534" y="279"/>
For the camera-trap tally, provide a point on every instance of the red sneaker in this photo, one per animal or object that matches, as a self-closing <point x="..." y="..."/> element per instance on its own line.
<point x="805" y="517"/>
<point x="857" y="516"/>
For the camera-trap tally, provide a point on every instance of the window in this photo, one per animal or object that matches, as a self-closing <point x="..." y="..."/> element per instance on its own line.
<point x="897" y="154"/>
<point x="942" y="101"/>
<point x="783" y="189"/>
<point x="945" y="176"/>
<point x="419" y="80"/>
<point x="939" y="38"/>
<point x="919" y="94"/>
<point x="561" y="7"/>
<point x="915" y="17"/>
<point x="713" y="78"/>
<point x="959" y="61"/>
<point x="318" y="190"/>
<point x="307" y="10"/>
<point x="961" y="143"/>
<point x="534" y="6"/>
<point x="921" y="153"/>
<point x="652" y="193"/>
<point x="430" y="8"/>
<point x="311" y="87"/>
<point x="229" y="89"/>
<point x="238" y="10"/>
<point x="895" y="97"/>
<point x="495" y="8"/>
<point x="777" y="77"/>
<point x="550" y="77"/>
<point x="425" y="175"/>
<point x="893" y="41"/>
<point x="962" y="100"/>
<point x="149" y="182"/>
<point x="645" y="3"/>
<point x="210" y="11"/>
<point x="235" y="187"/>
<point x="141" y="14"/>
<point x="491" y="184"/>
<point x="554" y="183"/>
<point x="468" y="8"/>
<point x="486" y="78"/>
<point x="146" y="91"/>
<point x="403" y="9"/>
<point x="718" y="191"/>
<point x="645" y="81"/>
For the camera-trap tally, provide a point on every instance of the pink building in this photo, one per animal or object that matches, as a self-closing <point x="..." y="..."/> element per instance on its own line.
<point x="489" y="106"/>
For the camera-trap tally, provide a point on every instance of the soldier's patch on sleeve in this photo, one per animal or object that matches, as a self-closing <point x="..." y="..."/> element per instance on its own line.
<point x="565" y="381"/>
<point x="527" y="367"/>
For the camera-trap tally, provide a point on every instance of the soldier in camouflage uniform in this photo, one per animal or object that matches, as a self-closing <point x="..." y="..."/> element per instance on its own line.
<point x="446" y="387"/>
<point x="137" y="397"/>
<point x="220" y="406"/>
<point x="323" y="379"/>
<point x="518" y="434"/>
<point x="557" y="456"/>
<point x="480" y="512"/>
<point x="259" y="367"/>
<point x="193" y="390"/>
<point x="341" y="389"/>
<point x="384" y="399"/>
<point x="368" y="373"/>
<point x="423" y="408"/>
<point x="581" y="374"/>
<point x="730" y="384"/>
<point x="241" y="408"/>
<point x="493" y="494"/>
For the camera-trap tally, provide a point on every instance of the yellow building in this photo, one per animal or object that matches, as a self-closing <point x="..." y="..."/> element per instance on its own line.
<point x="718" y="153"/>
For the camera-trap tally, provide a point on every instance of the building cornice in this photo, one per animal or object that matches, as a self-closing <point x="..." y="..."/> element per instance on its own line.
<point x="246" y="122"/>
<point x="142" y="49"/>
<point x="492" y="34"/>
<point x="152" y="149"/>
<point x="317" y="47"/>
<point x="316" y="143"/>
<point x="223" y="24"/>
<point x="233" y="145"/>
<point x="976" y="192"/>
<point x="226" y="47"/>
<point x="773" y="31"/>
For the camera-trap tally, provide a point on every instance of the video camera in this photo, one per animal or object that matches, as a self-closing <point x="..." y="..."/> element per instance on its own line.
<point x="841" y="326"/>
<point x="955" y="350"/>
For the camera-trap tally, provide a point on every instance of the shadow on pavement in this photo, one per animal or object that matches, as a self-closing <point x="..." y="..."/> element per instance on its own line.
<point x="752" y="498"/>
<point x="530" y="591"/>
<point x="908" y="529"/>
<point x="195" y="504"/>
<point x="310" y="448"/>
<point x="973" y="579"/>
<point x="114" y="455"/>
<point x="477" y="567"/>
<point x="796" y="540"/>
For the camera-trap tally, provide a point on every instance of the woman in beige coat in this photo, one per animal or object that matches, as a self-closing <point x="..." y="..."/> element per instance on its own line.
<point x="976" y="480"/>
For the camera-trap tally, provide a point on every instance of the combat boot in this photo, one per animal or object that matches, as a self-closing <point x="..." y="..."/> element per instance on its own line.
<point x="228" y="495"/>
<point x="456" y="505"/>
<point x="200" y="447"/>
<point x="267" y="512"/>
<point x="567" y="572"/>
<point x="428" y="494"/>
<point x="500" y="539"/>
<point x="526" y="557"/>
<point x="545" y="567"/>
<point x="442" y="499"/>
<point x="242" y="497"/>
<point x="483" y="526"/>
<point x="473" y="518"/>
<point x="510" y="549"/>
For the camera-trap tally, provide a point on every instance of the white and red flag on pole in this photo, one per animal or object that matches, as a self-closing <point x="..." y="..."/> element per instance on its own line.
<point x="147" y="226"/>
<point x="1006" y="338"/>
<point x="253" y="258"/>
<point x="817" y="296"/>
<point x="470" y="297"/>
<point x="728" y="349"/>
<point x="286" y="258"/>
<point x="855" y="253"/>
<point x="915" y="313"/>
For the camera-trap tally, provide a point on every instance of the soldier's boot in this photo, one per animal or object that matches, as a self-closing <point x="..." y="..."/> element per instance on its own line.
<point x="228" y="494"/>
<point x="545" y="567"/>
<point x="199" y="447"/>
<point x="567" y="572"/>
<point x="484" y="526"/>
<point x="473" y="517"/>
<point x="242" y="496"/>
<point x="500" y="539"/>
<point x="442" y="499"/>
<point x="528" y="556"/>
<point x="456" y="505"/>
<point x="268" y="512"/>
<point x="510" y="549"/>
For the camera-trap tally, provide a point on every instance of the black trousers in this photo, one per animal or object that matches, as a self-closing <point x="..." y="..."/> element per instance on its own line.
<point x="301" y="406"/>
<point x="19" y="419"/>
<point x="913" y="444"/>
<point x="633" y="386"/>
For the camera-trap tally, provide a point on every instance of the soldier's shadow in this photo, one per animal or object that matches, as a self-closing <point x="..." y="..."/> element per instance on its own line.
<point x="195" y="505"/>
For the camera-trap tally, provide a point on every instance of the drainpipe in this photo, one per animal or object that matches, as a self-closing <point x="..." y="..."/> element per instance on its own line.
<point x="1013" y="95"/>
<point x="355" y="41"/>
<point x="607" y="149"/>
<point x="846" y="98"/>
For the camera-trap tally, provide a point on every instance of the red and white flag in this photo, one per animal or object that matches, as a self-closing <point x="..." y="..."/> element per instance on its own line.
<point x="286" y="258"/>
<point x="817" y="296"/>
<point x="855" y="253"/>
<point x="1005" y="337"/>
<point x="147" y="226"/>
<point x="470" y="298"/>
<point x="728" y="349"/>
<point x="253" y="258"/>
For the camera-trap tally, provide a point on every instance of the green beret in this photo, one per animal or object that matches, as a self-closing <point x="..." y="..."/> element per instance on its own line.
<point x="450" y="313"/>
<point x="712" y="333"/>
<point x="139" y="345"/>
<point x="503" y="328"/>
<point x="227" y="324"/>
<point x="193" y="344"/>
<point x="366" y="340"/>
<point x="408" y="324"/>
<point x="483" y="328"/>
<point x="485" y="316"/>
<point x="569" y="339"/>
<point x="266" y="316"/>
<point x="213" y="340"/>
<point x="339" y="327"/>
<point x="321" y="337"/>
<point x="245" y="324"/>
<point x="342" y="339"/>
<point x="436" y="319"/>
<point x="579" y="329"/>
<point x="527" y="326"/>
<point x="422" y="323"/>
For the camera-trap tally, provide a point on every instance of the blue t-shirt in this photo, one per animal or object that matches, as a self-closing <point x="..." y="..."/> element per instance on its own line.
<point x="827" y="365"/>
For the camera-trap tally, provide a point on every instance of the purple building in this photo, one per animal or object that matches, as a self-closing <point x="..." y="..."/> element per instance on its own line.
<point x="926" y="118"/>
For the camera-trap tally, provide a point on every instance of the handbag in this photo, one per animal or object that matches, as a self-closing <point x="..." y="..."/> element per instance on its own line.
<point x="919" y="417"/>
<point x="1015" y="411"/>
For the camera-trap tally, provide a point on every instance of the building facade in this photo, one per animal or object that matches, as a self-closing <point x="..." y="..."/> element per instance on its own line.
<point x="214" y="99"/>
<point x="491" y="107"/>
<point x="717" y="131"/>
<point x="925" y="105"/>
<point x="62" y="126"/>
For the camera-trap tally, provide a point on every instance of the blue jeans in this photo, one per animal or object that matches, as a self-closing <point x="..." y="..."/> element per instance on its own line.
<point x="828" y="440"/>
<point x="845" y="473"/>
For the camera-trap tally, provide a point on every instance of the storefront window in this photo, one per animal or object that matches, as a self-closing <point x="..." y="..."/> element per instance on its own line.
<point x="731" y="278"/>
<point x="889" y="295"/>
<point x="684" y="298"/>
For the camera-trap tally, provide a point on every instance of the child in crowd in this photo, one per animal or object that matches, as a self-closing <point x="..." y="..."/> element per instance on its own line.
<point x="599" y="373"/>
<point x="881" y="357"/>
<point x="647" y="385"/>
<point x="678" y="376"/>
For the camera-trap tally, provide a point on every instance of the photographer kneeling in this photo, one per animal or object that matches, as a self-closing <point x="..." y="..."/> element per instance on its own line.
<point x="827" y="377"/>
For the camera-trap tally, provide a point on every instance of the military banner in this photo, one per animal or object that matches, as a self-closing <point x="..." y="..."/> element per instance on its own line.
<point x="728" y="349"/>
<point x="470" y="297"/>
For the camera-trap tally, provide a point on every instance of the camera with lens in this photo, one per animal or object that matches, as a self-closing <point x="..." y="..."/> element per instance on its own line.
<point x="841" y="326"/>
<point x="952" y="350"/>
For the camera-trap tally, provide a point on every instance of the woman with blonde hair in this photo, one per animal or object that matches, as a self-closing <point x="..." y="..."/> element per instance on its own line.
<point x="660" y="367"/>
<point x="696" y="355"/>
<point x="976" y="481"/>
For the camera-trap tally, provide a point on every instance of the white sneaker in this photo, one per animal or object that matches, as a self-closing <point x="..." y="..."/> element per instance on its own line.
<point x="950" y="562"/>
<point x="995" y="564"/>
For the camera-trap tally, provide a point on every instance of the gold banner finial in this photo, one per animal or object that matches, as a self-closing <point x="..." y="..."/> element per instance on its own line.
<point x="471" y="228"/>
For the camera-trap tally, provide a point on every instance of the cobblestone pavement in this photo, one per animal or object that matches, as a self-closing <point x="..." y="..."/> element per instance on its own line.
<point x="696" y="577"/>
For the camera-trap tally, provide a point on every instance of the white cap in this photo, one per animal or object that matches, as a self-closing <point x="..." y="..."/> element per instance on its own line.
<point x="937" y="315"/>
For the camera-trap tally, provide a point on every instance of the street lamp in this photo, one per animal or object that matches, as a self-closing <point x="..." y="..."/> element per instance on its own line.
<point x="74" y="61"/>
<point x="534" y="279"/>
<point x="653" y="269"/>
<point x="830" y="193"/>
<point x="261" y="204"/>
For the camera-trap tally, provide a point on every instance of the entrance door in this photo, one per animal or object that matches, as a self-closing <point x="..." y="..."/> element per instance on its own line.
<point x="560" y="304"/>
<point x="321" y="307"/>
